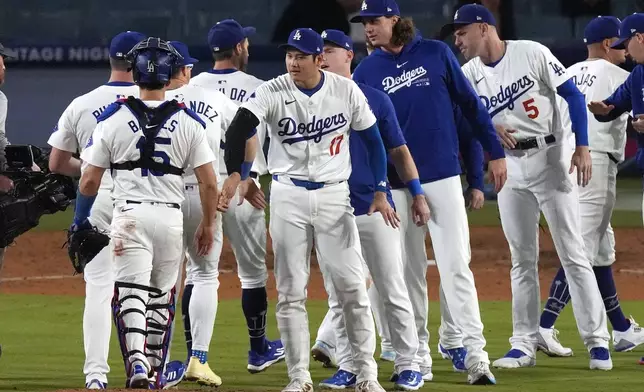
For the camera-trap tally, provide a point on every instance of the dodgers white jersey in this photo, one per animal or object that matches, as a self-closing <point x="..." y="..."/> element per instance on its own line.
<point x="78" y="121"/>
<point x="520" y="91"/>
<point x="212" y="107"/>
<point x="181" y="142"/>
<point x="597" y="79"/>
<point x="310" y="135"/>
<point x="238" y="87"/>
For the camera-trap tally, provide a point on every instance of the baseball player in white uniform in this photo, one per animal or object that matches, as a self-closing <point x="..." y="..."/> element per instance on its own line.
<point x="380" y="246"/>
<point x="71" y="134"/>
<point x="202" y="271"/>
<point x="597" y="78"/>
<point x="244" y="224"/>
<point x="5" y="182"/>
<point x="518" y="81"/>
<point x="309" y="113"/>
<point x="148" y="144"/>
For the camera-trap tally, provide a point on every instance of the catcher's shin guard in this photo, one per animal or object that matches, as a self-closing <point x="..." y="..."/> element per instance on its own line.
<point x="129" y="305"/>
<point x="160" y="320"/>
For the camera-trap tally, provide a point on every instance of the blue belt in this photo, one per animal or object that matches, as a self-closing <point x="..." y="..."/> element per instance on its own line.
<point x="308" y="185"/>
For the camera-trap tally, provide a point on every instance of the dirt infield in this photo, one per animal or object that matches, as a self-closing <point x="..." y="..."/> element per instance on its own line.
<point x="36" y="264"/>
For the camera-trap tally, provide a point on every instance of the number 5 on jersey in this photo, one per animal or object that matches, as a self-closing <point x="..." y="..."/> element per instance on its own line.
<point x="334" y="148"/>
<point x="532" y="110"/>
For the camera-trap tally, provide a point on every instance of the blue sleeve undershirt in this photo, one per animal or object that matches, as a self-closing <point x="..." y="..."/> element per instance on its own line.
<point x="83" y="207"/>
<point x="577" y="109"/>
<point x="377" y="156"/>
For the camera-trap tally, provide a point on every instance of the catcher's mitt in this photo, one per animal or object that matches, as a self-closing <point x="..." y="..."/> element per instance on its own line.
<point x="83" y="244"/>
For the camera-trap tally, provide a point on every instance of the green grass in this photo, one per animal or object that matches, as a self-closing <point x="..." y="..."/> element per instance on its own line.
<point x="43" y="351"/>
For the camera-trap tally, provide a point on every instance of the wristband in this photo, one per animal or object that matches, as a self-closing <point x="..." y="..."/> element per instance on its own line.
<point x="83" y="207"/>
<point x="414" y="187"/>
<point x="245" y="169"/>
<point x="381" y="187"/>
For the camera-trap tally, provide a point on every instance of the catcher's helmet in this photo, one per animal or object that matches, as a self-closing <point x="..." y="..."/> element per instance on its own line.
<point x="153" y="61"/>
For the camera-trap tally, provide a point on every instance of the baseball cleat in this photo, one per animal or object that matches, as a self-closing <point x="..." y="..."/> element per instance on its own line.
<point x="369" y="386"/>
<point x="139" y="378"/>
<point x="457" y="356"/>
<point x="629" y="339"/>
<point x="95" y="384"/>
<point x="340" y="380"/>
<point x="324" y="353"/>
<point x="548" y="342"/>
<point x="514" y="359"/>
<point x="426" y="372"/>
<point x="480" y="374"/>
<point x="409" y="380"/>
<point x="259" y="362"/>
<point x="641" y="361"/>
<point x="201" y="373"/>
<point x="444" y="354"/>
<point x="600" y="359"/>
<point x="298" y="385"/>
<point x="175" y="371"/>
<point x="388" y="356"/>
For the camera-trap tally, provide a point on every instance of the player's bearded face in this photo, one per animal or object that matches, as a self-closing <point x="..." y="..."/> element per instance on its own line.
<point x="635" y="47"/>
<point x="379" y="30"/>
<point x="468" y="40"/>
<point x="242" y="59"/>
<point x="617" y="56"/>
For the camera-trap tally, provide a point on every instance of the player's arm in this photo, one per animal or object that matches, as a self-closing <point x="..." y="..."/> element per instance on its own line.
<point x="97" y="155"/>
<point x="472" y="153"/>
<point x="463" y="94"/>
<point x="363" y="120"/>
<point x="577" y="110"/>
<point x="63" y="144"/>
<point x="617" y="104"/>
<point x="4" y="105"/>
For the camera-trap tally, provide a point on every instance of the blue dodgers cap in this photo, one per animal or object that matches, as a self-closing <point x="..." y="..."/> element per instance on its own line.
<point x="183" y="51"/>
<point x="306" y="41"/>
<point x="468" y="14"/>
<point x="226" y="34"/>
<point x="122" y="43"/>
<point x="630" y="26"/>
<point x="337" y="37"/>
<point x="601" y="28"/>
<point x="376" y="9"/>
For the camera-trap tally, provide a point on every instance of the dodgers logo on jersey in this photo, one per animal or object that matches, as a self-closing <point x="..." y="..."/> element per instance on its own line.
<point x="392" y="84"/>
<point x="313" y="130"/>
<point x="507" y="96"/>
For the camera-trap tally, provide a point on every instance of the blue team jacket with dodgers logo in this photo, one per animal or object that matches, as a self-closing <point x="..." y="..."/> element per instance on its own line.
<point x="424" y="82"/>
<point x="629" y="96"/>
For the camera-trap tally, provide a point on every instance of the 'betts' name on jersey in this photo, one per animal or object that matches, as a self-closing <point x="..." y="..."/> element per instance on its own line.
<point x="310" y="135"/>
<point x="520" y="91"/>
<point x="77" y="123"/>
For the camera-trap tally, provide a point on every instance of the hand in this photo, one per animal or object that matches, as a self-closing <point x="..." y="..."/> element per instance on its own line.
<point x="498" y="171"/>
<point x="228" y="191"/>
<point x="505" y="135"/>
<point x="35" y="167"/>
<point x="204" y="238"/>
<point x="381" y="204"/>
<point x="638" y="123"/>
<point x="5" y="184"/>
<point x="600" y="108"/>
<point x="420" y="210"/>
<point x="474" y="199"/>
<point x="255" y="196"/>
<point x="582" y="161"/>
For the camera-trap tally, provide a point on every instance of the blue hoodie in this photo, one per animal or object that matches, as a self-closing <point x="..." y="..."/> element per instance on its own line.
<point x="425" y="82"/>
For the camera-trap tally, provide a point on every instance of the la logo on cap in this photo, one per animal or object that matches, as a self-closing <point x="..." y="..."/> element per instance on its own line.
<point x="150" y="66"/>
<point x="364" y="5"/>
<point x="297" y="35"/>
<point x="388" y="9"/>
<point x="324" y="34"/>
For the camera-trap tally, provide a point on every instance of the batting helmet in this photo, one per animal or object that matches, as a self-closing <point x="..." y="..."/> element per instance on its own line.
<point x="153" y="61"/>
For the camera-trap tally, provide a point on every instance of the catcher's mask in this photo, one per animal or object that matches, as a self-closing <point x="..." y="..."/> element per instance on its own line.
<point x="153" y="61"/>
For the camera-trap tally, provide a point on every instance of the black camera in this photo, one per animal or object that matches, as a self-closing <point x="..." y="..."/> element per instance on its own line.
<point x="36" y="191"/>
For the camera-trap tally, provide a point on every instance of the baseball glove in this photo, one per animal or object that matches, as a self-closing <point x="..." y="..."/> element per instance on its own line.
<point x="83" y="244"/>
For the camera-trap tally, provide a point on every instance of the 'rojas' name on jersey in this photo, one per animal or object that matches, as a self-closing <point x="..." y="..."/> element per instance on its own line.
<point x="507" y="95"/>
<point x="392" y="84"/>
<point x="316" y="128"/>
